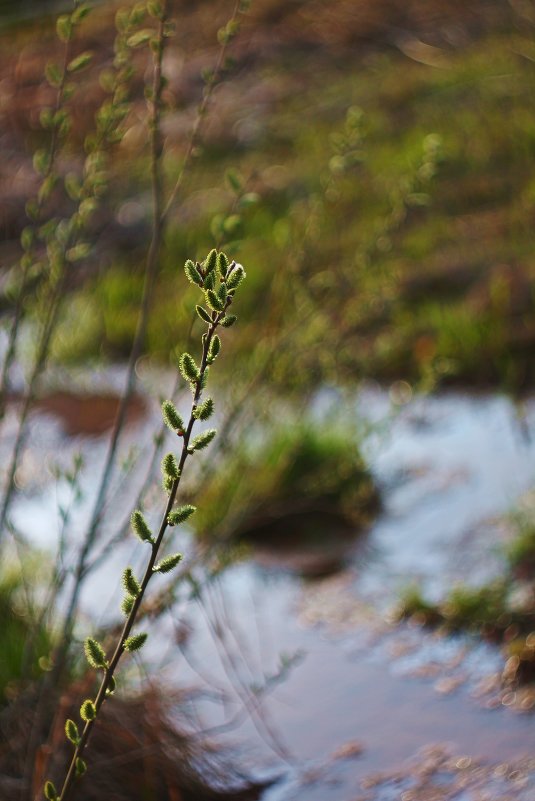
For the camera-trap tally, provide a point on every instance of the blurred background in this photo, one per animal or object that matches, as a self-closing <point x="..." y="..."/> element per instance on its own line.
<point x="363" y="552"/>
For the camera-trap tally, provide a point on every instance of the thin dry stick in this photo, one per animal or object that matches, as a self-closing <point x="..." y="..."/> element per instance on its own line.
<point x="212" y="83"/>
<point x="25" y="263"/>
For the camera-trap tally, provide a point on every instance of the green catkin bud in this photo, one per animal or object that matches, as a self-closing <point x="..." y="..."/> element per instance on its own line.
<point x="209" y="281"/>
<point x="215" y="347"/>
<point x="51" y="794"/>
<point x="81" y="767"/>
<point x="222" y="294"/>
<point x="213" y="301"/>
<point x="140" y="527"/>
<point x="168" y="564"/>
<point x="126" y="605"/>
<point x="170" y="467"/>
<point x="130" y="583"/>
<point x="181" y="514"/>
<point x="192" y="273"/>
<point x="168" y="484"/>
<point x="135" y="642"/>
<point x="222" y="265"/>
<point x="210" y="263"/>
<point x="203" y="314"/>
<point x="94" y="653"/>
<point x="229" y="320"/>
<point x="236" y="277"/>
<point x="88" y="710"/>
<point x="171" y="417"/>
<point x="204" y="410"/>
<point x="71" y="731"/>
<point x="202" y="440"/>
<point x="188" y="368"/>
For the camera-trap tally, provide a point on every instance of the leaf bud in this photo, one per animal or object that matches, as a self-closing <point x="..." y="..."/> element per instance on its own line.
<point x="222" y="265"/>
<point x="71" y="731"/>
<point x="192" y="273"/>
<point x="170" y="466"/>
<point x="130" y="583"/>
<point x="171" y="417"/>
<point x="181" y="514"/>
<point x="126" y="605"/>
<point x="209" y="281"/>
<point x="214" y="301"/>
<point x="203" y="314"/>
<point x="236" y="277"/>
<point x="94" y="653"/>
<point x="204" y="439"/>
<point x="88" y="710"/>
<point x="140" y="527"/>
<point x="210" y="262"/>
<point x="51" y="794"/>
<point x="188" y="368"/>
<point x="215" y="347"/>
<point x="81" y="766"/>
<point x="204" y="410"/>
<point x="135" y="642"/>
<point x="168" y="564"/>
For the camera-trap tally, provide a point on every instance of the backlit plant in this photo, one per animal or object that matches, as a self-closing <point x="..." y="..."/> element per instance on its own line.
<point x="218" y="279"/>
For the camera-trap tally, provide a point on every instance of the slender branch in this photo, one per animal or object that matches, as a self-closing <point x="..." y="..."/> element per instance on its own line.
<point x="212" y="83"/>
<point x="26" y="263"/>
<point x="110" y="668"/>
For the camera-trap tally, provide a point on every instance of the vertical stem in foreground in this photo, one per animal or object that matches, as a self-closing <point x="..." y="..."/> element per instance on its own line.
<point x="230" y="276"/>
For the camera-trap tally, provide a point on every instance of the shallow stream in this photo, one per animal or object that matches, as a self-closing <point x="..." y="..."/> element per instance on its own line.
<point x="308" y="681"/>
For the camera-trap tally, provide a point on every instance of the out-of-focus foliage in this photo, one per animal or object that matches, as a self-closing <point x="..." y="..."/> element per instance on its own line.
<point x="408" y="215"/>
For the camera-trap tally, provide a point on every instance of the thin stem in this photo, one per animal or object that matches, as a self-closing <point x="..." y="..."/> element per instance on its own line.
<point x="149" y="571"/>
<point x="200" y="115"/>
<point x="151" y="270"/>
<point x="19" y="306"/>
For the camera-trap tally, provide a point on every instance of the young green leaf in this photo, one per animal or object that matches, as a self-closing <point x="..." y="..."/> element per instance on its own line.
<point x="202" y="440"/>
<point x="130" y="583"/>
<point x="203" y="314"/>
<point x="181" y="514"/>
<point x="171" y="417"/>
<point x="71" y="730"/>
<point x="51" y="794"/>
<point x="94" y="653"/>
<point x="168" y="564"/>
<point x="139" y="38"/>
<point x="64" y="28"/>
<point x="81" y="766"/>
<point x="205" y="410"/>
<point x="80" y="62"/>
<point x="140" y="527"/>
<point x="135" y="642"/>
